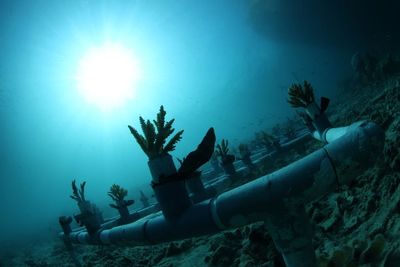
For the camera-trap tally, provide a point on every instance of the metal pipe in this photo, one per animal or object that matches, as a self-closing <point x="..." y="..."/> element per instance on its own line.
<point x="277" y="198"/>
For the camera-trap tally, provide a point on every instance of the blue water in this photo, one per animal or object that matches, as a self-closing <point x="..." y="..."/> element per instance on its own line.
<point x="225" y="64"/>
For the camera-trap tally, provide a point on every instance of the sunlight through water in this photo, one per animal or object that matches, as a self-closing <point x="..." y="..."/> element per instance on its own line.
<point x="107" y="75"/>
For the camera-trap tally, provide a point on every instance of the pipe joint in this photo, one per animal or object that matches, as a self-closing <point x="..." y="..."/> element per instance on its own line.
<point x="356" y="150"/>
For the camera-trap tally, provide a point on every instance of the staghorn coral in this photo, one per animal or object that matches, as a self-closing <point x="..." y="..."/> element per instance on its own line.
<point x="118" y="194"/>
<point x="222" y="152"/>
<point x="245" y="155"/>
<point x="155" y="135"/>
<point x="244" y="150"/>
<point x="268" y="140"/>
<point x="222" y="149"/>
<point x="307" y="121"/>
<point x="301" y="95"/>
<point x="289" y="131"/>
<point x="144" y="199"/>
<point x="90" y="215"/>
<point x="215" y="163"/>
<point x="277" y="130"/>
<point x="289" y="128"/>
<point x="78" y="195"/>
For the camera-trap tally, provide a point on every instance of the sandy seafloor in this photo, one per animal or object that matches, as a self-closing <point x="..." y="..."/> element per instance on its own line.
<point x="356" y="225"/>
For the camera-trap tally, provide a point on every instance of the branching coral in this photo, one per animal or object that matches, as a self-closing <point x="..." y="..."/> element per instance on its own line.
<point x="301" y="95"/>
<point x="118" y="193"/>
<point x="78" y="195"/>
<point x="155" y="135"/>
<point x="144" y="199"/>
<point x="306" y="120"/>
<point x="277" y="129"/>
<point x="268" y="139"/>
<point x="222" y="152"/>
<point x="289" y="131"/>
<point x="90" y="215"/>
<point x="215" y="163"/>
<point x="222" y="149"/>
<point x="245" y="155"/>
<point x="244" y="150"/>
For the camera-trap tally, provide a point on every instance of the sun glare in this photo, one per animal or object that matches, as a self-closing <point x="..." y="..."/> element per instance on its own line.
<point x="107" y="75"/>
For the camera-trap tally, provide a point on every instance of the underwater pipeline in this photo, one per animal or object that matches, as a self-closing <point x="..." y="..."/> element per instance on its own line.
<point x="278" y="199"/>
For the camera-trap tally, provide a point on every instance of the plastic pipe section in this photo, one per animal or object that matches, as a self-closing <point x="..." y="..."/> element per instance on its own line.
<point x="172" y="196"/>
<point x="298" y="140"/>
<point x="331" y="134"/>
<point x="277" y="198"/>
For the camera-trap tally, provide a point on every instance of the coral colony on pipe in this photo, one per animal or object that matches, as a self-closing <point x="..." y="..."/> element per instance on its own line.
<point x="190" y="206"/>
<point x="226" y="159"/>
<point x="302" y="96"/>
<point x="118" y="194"/>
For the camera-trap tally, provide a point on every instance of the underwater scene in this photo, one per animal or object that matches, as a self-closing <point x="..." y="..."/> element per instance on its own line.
<point x="169" y="133"/>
